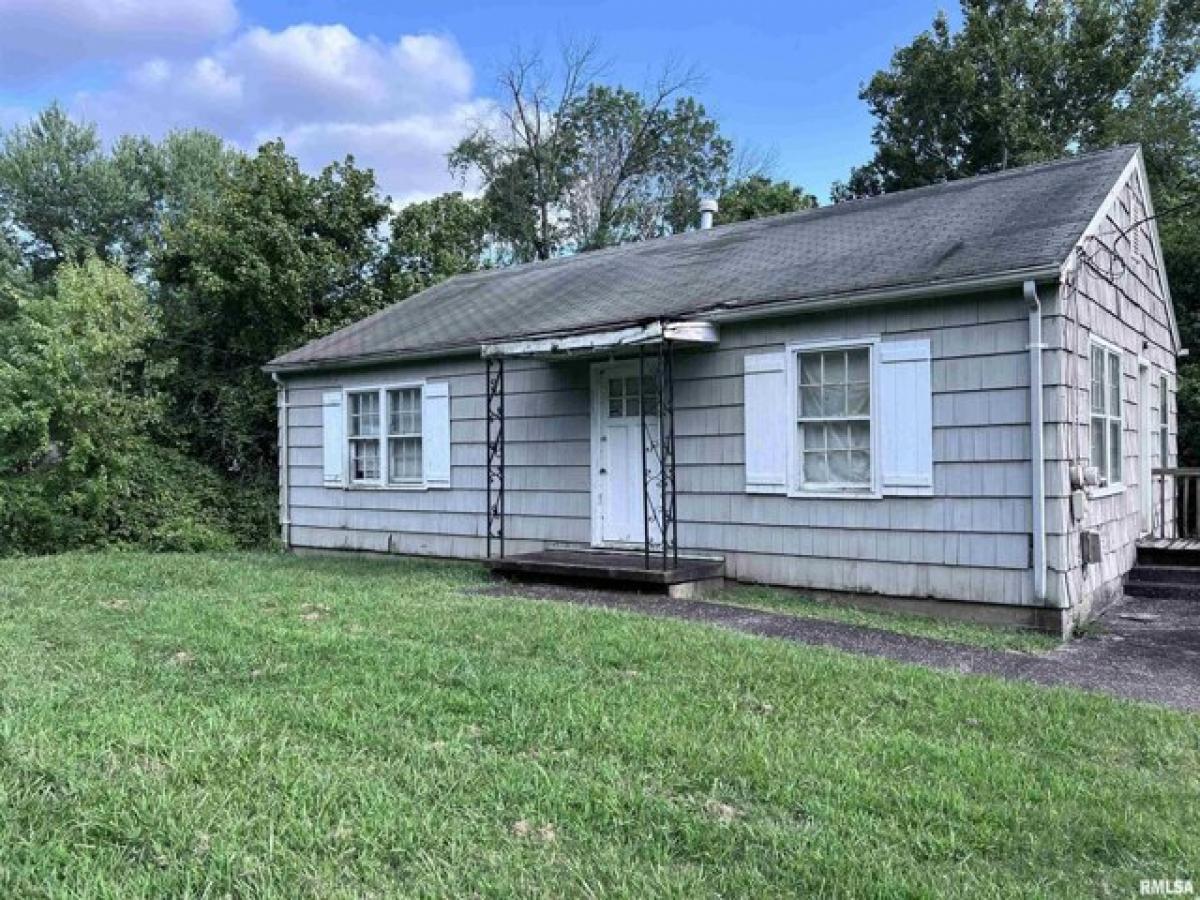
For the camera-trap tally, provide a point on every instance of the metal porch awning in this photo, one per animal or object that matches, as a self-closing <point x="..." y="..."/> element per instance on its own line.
<point x="602" y="342"/>
<point x="653" y="344"/>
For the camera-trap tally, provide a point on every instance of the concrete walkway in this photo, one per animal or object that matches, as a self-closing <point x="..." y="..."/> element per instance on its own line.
<point x="1154" y="657"/>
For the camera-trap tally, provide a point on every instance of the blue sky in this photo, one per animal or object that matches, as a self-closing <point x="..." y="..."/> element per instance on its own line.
<point x="396" y="84"/>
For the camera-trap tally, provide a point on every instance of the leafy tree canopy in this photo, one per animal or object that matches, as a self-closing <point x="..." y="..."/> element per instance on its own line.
<point x="63" y="198"/>
<point x="278" y="257"/>
<point x="576" y="165"/>
<point x="756" y="196"/>
<point x="432" y="240"/>
<point x="1023" y="82"/>
<point x="639" y="164"/>
<point x="74" y="380"/>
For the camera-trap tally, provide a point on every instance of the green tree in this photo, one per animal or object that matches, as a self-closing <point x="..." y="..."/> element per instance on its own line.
<point x="78" y="402"/>
<point x="165" y="183"/>
<point x="756" y="196"/>
<point x="640" y="163"/>
<point x="73" y="372"/>
<point x="577" y="165"/>
<point x="60" y="196"/>
<point x="63" y="198"/>
<point x="523" y="163"/>
<point x="1023" y="82"/>
<point x="278" y="257"/>
<point x="433" y="240"/>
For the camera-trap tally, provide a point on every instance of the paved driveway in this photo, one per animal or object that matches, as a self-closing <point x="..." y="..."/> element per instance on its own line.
<point x="1141" y="649"/>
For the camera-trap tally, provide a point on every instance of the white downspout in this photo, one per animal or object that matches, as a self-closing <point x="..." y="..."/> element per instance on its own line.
<point x="285" y="498"/>
<point x="1037" y="453"/>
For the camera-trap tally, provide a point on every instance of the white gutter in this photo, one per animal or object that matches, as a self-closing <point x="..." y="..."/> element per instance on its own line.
<point x="1037" y="452"/>
<point x="285" y="493"/>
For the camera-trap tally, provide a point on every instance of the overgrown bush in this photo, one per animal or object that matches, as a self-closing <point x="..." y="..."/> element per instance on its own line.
<point x="85" y="458"/>
<point x="174" y="503"/>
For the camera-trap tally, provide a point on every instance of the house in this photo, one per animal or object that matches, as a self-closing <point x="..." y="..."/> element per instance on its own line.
<point x="837" y="399"/>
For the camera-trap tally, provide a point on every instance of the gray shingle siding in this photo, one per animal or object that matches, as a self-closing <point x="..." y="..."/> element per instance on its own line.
<point x="1132" y="312"/>
<point x="970" y="541"/>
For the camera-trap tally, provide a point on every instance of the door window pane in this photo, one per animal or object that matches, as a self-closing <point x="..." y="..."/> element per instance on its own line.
<point x="625" y="397"/>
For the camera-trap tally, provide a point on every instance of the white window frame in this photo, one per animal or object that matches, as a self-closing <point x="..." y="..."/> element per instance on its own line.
<point x="351" y="437"/>
<point x="795" y="483"/>
<point x="389" y="435"/>
<point x="1110" y="350"/>
<point x="384" y="482"/>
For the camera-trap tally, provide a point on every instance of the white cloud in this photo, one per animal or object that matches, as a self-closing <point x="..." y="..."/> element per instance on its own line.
<point x="396" y="107"/>
<point x="408" y="153"/>
<point x="42" y="38"/>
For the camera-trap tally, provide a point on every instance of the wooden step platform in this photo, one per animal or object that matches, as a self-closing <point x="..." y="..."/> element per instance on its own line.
<point x="621" y="569"/>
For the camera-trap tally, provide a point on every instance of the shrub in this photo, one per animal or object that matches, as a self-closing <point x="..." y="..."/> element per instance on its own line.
<point x="172" y="503"/>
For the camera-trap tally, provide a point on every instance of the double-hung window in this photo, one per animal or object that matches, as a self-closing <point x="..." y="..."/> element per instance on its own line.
<point x="363" y="434"/>
<point x="384" y="435"/>
<point x="404" y="435"/>
<point x="849" y="419"/>
<point x="834" y="419"/>
<point x="1106" y="420"/>
<point x="1164" y="419"/>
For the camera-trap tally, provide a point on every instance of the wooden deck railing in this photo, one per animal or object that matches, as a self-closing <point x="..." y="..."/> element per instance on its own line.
<point x="1177" y="495"/>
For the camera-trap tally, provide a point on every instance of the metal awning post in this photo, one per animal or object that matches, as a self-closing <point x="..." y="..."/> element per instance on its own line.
<point x="494" y="461"/>
<point x="666" y="427"/>
<point x="658" y="455"/>
<point x="645" y="467"/>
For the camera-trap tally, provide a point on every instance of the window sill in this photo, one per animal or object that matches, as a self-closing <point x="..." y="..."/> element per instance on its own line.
<point x="1110" y="491"/>
<point x="835" y="495"/>
<point x="416" y="486"/>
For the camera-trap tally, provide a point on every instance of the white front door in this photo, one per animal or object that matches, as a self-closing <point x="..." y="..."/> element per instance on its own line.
<point x="617" y="485"/>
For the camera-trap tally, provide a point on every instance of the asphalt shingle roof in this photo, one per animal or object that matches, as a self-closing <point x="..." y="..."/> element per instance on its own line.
<point x="1013" y="220"/>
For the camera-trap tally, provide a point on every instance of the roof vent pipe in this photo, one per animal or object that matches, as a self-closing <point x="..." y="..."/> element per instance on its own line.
<point x="708" y="209"/>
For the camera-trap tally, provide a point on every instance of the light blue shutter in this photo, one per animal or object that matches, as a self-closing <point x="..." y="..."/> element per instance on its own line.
<point x="435" y="433"/>
<point x="333" y="431"/>
<point x="765" y="395"/>
<point x="905" y="417"/>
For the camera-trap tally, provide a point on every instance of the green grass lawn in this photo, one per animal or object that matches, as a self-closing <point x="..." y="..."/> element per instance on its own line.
<point x="265" y="726"/>
<point x="993" y="637"/>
